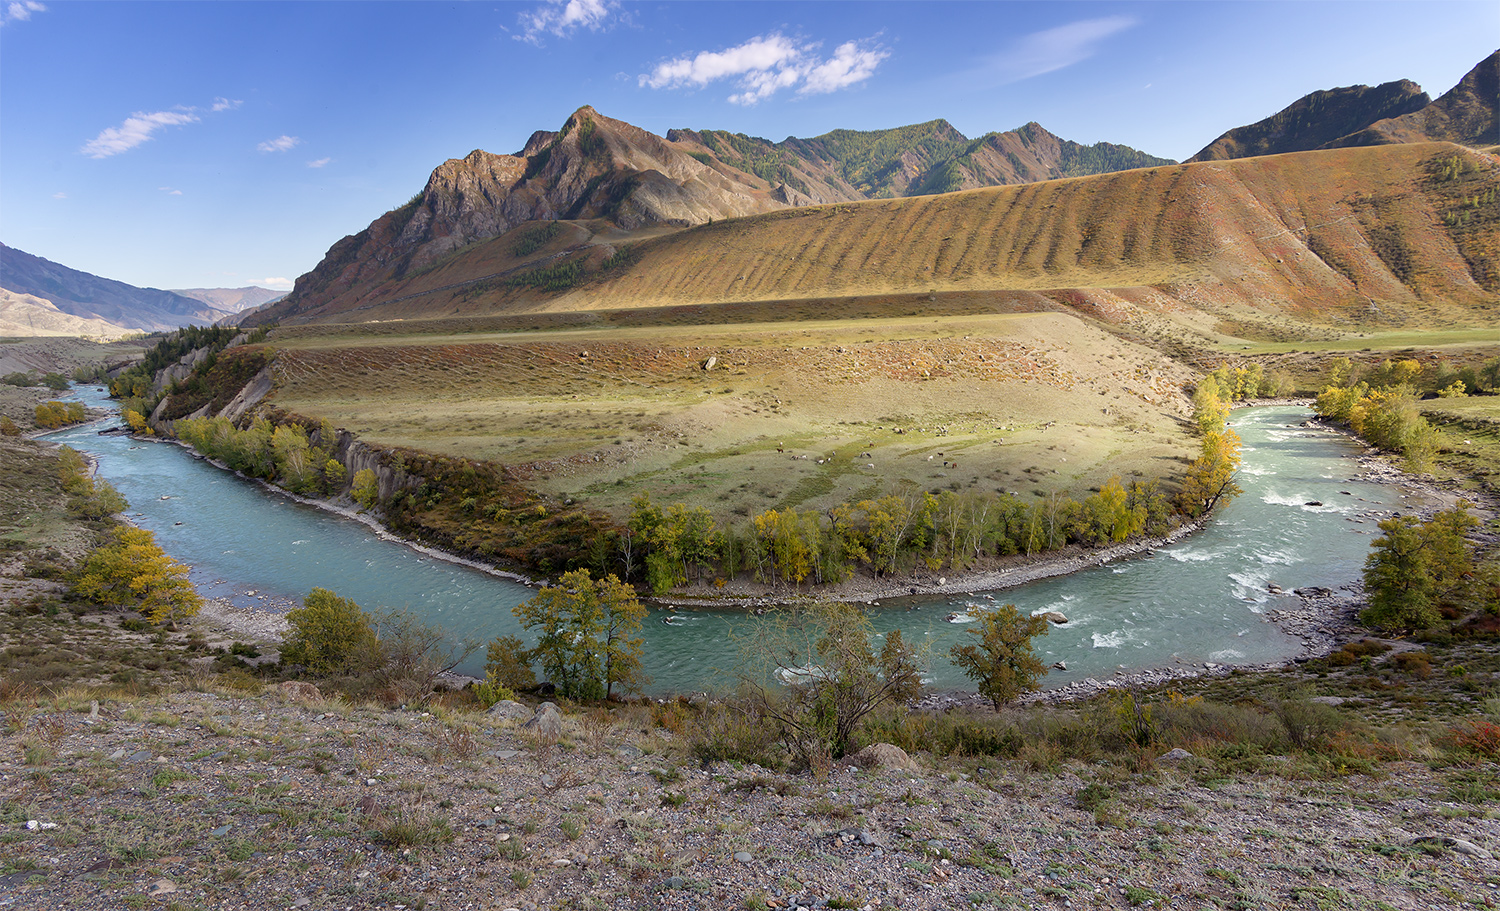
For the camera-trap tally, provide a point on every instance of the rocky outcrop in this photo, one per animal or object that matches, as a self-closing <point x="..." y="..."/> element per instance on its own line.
<point x="1361" y="115"/>
<point x="1317" y="120"/>
<point x="1465" y="114"/>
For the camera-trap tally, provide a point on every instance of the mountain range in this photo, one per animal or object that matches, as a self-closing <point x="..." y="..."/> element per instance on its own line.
<point x="40" y="297"/>
<point x="605" y="185"/>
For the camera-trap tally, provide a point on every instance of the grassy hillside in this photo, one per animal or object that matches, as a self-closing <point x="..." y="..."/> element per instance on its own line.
<point x="803" y="413"/>
<point x="1275" y="248"/>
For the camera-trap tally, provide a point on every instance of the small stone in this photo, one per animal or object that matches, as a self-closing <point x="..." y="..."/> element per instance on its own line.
<point x="673" y="882"/>
<point x="507" y="754"/>
<point x="1328" y="700"/>
<point x="1177" y="754"/>
<point x="743" y="857"/>
<point x="139" y="756"/>
<point x="163" y="887"/>
<point x="117" y="754"/>
<point x="548" y="781"/>
<point x="220" y="832"/>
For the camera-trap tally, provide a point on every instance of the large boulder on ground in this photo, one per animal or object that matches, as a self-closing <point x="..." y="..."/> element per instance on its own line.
<point x="547" y="722"/>
<point x="880" y="756"/>
<point x="509" y="710"/>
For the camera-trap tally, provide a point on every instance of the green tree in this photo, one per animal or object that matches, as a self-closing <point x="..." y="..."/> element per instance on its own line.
<point x="588" y="638"/>
<point x="330" y="635"/>
<point x="133" y="571"/>
<point x="1002" y="664"/>
<point x="1414" y="565"/>
<point x="1210" y="479"/>
<point x="507" y="664"/>
<point x="1210" y="411"/>
<point x="365" y="489"/>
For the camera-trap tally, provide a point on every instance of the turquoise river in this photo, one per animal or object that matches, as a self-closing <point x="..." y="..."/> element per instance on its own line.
<point x="1202" y="599"/>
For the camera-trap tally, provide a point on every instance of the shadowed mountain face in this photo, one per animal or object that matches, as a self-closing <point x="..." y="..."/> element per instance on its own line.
<point x="1466" y="114"/>
<point x="1316" y="120"/>
<point x="1359" y="115"/>
<point x="599" y="168"/>
<point x="90" y="297"/>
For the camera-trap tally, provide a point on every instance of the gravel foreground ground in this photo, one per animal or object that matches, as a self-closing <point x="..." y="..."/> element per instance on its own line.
<point x="214" y="798"/>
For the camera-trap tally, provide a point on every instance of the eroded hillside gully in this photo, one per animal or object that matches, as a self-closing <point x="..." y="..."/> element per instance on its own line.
<point x="1223" y="596"/>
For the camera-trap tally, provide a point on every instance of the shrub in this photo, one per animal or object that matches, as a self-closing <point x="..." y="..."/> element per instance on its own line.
<point x="1418" y="664"/>
<point x="1474" y="738"/>
<point x="830" y="677"/>
<point x="330" y="635"/>
<point x="490" y="691"/>
<point x="734" y="731"/>
<point x="1309" y="725"/>
<point x="412" y="654"/>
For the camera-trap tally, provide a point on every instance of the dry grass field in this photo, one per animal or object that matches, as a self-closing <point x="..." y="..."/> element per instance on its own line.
<point x="805" y="414"/>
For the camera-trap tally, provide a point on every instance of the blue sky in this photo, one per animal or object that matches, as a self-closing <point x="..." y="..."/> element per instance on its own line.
<point x="219" y="144"/>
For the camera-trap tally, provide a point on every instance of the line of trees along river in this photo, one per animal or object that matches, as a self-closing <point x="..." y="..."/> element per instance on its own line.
<point x="1302" y="521"/>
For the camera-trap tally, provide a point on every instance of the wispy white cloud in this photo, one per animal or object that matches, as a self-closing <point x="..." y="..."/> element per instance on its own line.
<point x="563" y="17"/>
<point x="280" y="144"/>
<point x="766" y="64"/>
<point x="1056" y="48"/>
<point x="21" y="10"/>
<point x="275" y="283"/>
<point x="139" y="126"/>
<point x="319" y="162"/>
<point x="136" y="129"/>
<point x="59" y="195"/>
<point x="170" y="191"/>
